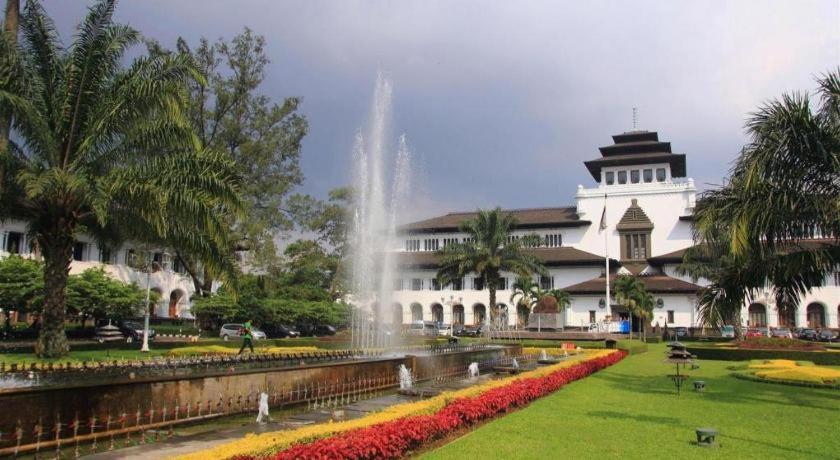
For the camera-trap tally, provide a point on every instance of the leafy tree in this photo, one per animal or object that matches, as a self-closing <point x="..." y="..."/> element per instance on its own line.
<point x="11" y="27"/>
<point x="21" y="285"/>
<point x="783" y="191"/>
<point x="263" y="137"/>
<point x="487" y="252"/>
<point x="630" y="293"/>
<point x="525" y="292"/>
<point x="93" y="293"/>
<point x="107" y="150"/>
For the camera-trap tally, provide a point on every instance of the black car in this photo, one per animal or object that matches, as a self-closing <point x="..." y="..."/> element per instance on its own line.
<point x="827" y="335"/>
<point x="807" y="334"/>
<point x="280" y="331"/>
<point x="681" y="331"/>
<point x="131" y="330"/>
<point x="310" y="330"/>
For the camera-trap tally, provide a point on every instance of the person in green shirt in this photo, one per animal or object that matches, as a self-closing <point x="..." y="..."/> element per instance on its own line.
<point x="247" y="337"/>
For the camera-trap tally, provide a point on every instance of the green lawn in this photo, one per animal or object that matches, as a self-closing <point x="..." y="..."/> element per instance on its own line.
<point x="631" y="411"/>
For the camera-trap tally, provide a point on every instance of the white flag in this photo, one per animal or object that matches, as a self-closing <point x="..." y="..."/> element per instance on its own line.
<point x="603" y="225"/>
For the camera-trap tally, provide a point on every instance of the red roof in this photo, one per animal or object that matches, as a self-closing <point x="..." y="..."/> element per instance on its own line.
<point x="658" y="284"/>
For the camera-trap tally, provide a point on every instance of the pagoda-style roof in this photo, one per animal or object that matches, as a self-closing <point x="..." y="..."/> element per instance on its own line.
<point x="634" y="218"/>
<point x="637" y="148"/>
<point x="533" y="218"/>
<point x="550" y="257"/>
<point x="656" y="284"/>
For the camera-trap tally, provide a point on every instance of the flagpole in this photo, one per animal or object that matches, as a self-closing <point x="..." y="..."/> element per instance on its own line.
<point x="607" y="257"/>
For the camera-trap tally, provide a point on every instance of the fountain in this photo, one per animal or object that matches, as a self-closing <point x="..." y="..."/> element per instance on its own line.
<point x="374" y="218"/>
<point x="514" y="363"/>
<point x="473" y="370"/>
<point x="545" y="359"/>
<point x="406" y="381"/>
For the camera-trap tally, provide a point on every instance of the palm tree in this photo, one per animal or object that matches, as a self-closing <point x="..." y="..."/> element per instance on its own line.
<point x="487" y="252"/>
<point x="628" y="291"/>
<point x="783" y="191"/>
<point x="525" y="292"/>
<point x="10" y="28"/>
<point x="105" y="150"/>
<point x="644" y="310"/>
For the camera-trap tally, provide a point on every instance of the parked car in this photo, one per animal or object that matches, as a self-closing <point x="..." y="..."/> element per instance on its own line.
<point x="315" y="330"/>
<point x="469" y="331"/>
<point x="131" y="330"/>
<point x="827" y="335"/>
<point x="457" y="329"/>
<point x="234" y="331"/>
<point x="781" y="332"/>
<point x="681" y="331"/>
<point x="807" y="334"/>
<point x="444" y="329"/>
<point x="751" y="333"/>
<point x="427" y="328"/>
<point x="281" y="331"/>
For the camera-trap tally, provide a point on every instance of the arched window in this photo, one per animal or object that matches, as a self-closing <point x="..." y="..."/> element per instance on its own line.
<point x="787" y="319"/>
<point x="437" y="313"/>
<point x="758" y="315"/>
<point x="816" y="315"/>
<point x="458" y="314"/>
<point x="479" y="314"/>
<point x="416" y="312"/>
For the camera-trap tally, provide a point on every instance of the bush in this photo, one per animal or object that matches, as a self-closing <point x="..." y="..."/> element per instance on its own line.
<point x="777" y="343"/>
<point x="827" y="358"/>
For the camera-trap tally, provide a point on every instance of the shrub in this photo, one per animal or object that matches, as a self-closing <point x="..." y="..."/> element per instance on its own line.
<point x="828" y="358"/>
<point x="777" y="343"/>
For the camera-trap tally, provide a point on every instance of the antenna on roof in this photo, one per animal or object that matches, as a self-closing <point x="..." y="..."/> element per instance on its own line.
<point x="635" y="118"/>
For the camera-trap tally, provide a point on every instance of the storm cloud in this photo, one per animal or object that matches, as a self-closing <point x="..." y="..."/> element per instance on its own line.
<point x="503" y="101"/>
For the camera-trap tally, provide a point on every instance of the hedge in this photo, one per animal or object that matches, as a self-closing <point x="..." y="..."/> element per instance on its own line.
<point x="825" y="358"/>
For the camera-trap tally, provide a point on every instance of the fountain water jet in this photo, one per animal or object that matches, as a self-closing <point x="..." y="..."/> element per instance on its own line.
<point x="374" y="240"/>
<point x="473" y="370"/>
<point x="406" y="380"/>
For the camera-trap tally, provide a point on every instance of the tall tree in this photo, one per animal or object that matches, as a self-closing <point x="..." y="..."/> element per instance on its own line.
<point x="21" y="285"/>
<point x="11" y="27"/>
<point x="630" y="293"/>
<point x="106" y="150"/>
<point x="264" y="138"/>
<point x="777" y="219"/>
<point x="487" y="252"/>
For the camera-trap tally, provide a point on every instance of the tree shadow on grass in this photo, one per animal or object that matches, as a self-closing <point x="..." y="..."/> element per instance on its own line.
<point x="725" y="389"/>
<point x="638" y="418"/>
<point x="792" y="450"/>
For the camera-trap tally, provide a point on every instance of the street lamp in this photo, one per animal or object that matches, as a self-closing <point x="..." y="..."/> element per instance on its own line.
<point x="149" y="269"/>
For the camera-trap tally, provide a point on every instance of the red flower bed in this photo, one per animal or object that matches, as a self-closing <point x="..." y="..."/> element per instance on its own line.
<point x="395" y="438"/>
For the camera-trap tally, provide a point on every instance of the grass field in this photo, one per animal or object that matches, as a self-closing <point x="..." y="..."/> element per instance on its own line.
<point x="631" y="411"/>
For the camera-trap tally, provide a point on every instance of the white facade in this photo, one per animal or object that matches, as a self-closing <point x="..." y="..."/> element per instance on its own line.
<point x="650" y="184"/>
<point x="175" y="289"/>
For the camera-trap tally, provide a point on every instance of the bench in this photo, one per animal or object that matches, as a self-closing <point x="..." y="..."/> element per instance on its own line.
<point x="706" y="437"/>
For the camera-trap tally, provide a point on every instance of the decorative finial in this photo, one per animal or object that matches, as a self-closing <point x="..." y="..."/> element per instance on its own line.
<point x="635" y="118"/>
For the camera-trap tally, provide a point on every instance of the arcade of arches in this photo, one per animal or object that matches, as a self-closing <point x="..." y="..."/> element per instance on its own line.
<point x="815" y="316"/>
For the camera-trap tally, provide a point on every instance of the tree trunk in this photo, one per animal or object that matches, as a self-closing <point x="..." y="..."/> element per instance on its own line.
<point x="57" y="250"/>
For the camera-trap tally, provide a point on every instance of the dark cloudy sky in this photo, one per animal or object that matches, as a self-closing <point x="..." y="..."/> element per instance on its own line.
<point x="502" y="101"/>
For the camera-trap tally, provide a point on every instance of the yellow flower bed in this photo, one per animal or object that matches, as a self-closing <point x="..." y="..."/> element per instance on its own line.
<point x="256" y="444"/>
<point x="222" y="350"/>
<point x="553" y="352"/>
<point x="773" y="364"/>
<point x="810" y="374"/>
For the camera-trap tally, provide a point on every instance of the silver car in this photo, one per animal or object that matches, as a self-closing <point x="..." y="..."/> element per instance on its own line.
<point x="234" y="330"/>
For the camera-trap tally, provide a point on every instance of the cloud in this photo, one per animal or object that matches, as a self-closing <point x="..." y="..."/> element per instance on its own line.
<point x="503" y="101"/>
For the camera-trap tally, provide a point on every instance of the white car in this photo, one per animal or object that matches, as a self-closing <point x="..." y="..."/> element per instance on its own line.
<point x="234" y="330"/>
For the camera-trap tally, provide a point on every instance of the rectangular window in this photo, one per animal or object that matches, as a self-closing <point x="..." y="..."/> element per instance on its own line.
<point x="670" y="316"/>
<point x="660" y="174"/>
<point x="435" y="284"/>
<point x="634" y="176"/>
<point x="622" y="177"/>
<point x="546" y="282"/>
<point x="837" y="278"/>
<point x="591" y="316"/>
<point x="458" y="284"/>
<point x="628" y="246"/>
<point x="478" y="284"/>
<point x="610" y="177"/>
<point x="79" y="251"/>
<point x="398" y="284"/>
<point x="129" y="257"/>
<point x="635" y="246"/>
<point x="14" y="242"/>
<point x="647" y="175"/>
<point x="105" y="255"/>
<point x="416" y="284"/>
<point x="502" y="285"/>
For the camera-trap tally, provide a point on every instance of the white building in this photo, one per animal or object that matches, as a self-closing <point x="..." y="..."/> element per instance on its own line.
<point x="174" y="287"/>
<point x="649" y="206"/>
